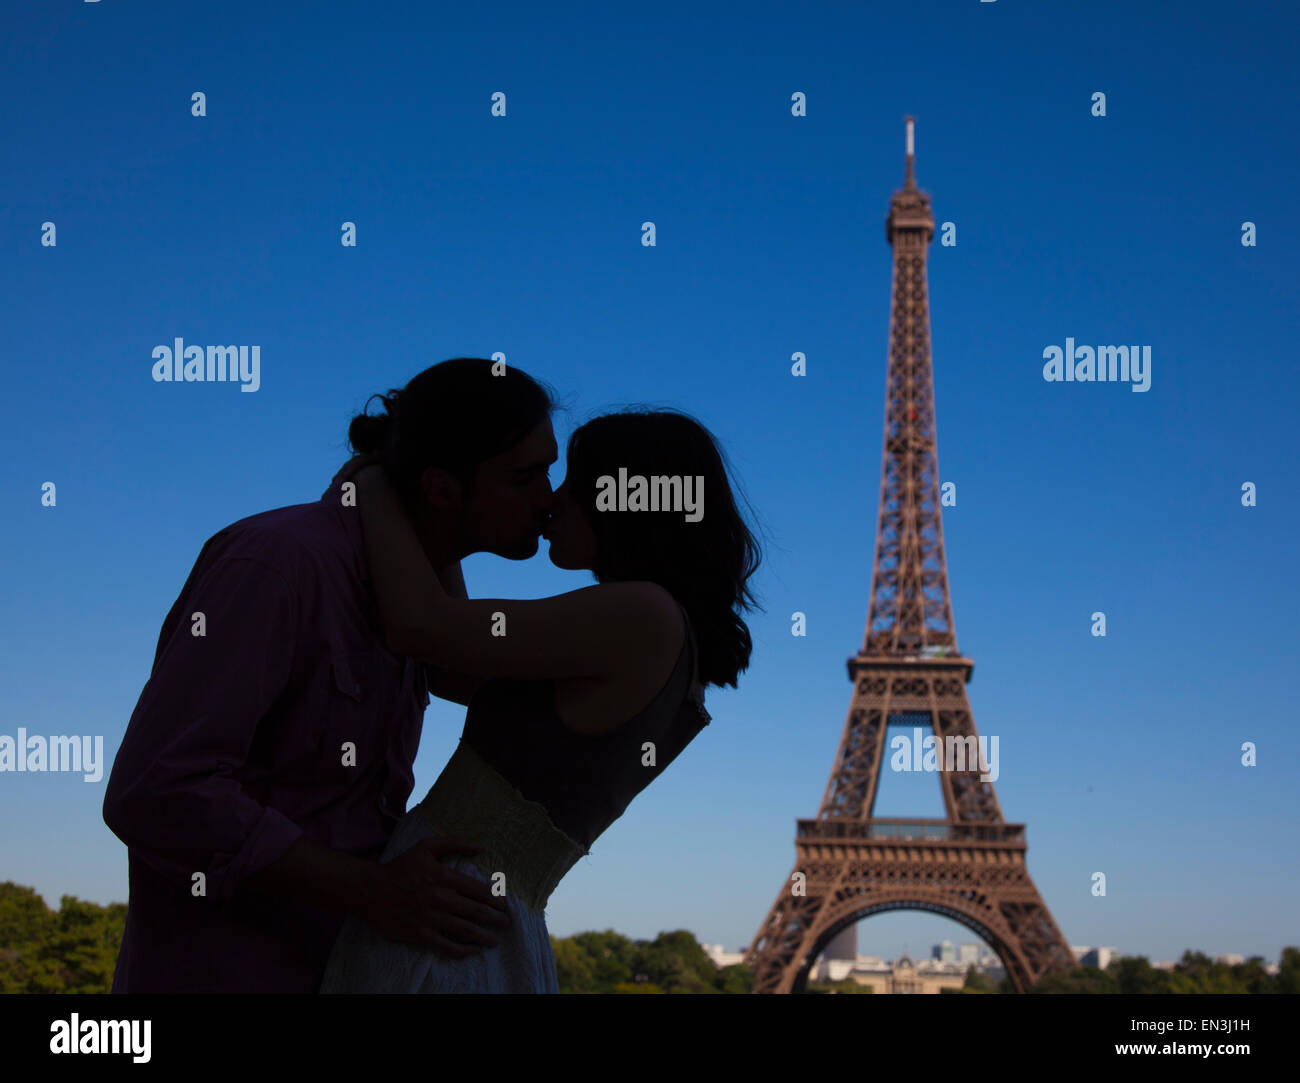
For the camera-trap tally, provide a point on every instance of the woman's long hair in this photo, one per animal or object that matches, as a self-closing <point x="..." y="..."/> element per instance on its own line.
<point x="706" y="565"/>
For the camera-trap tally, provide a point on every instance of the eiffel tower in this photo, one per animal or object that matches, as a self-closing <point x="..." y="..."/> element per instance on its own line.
<point x="849" y="864"/>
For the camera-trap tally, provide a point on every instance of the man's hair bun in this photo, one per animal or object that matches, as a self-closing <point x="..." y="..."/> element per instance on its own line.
<point x="369" y="433"/>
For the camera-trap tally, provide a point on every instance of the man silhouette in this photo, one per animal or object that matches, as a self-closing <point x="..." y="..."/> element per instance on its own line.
<point x="270" y="754"/>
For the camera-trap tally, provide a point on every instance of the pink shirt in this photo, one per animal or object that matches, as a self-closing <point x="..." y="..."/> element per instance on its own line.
<point x="236" y="749"/>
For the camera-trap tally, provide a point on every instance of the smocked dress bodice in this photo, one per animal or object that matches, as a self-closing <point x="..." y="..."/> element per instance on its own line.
<point x="536" y="793"/>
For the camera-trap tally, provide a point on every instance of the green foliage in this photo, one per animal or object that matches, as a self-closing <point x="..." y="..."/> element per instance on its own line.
<point x="72" y="950"/>
<point x="676" y="961"/>
<point x="847" y="985"/>
<point x="1134" y="974"/>
<point x="637" y="987"/>
<point x="978" y="983"/>
<point x="1253" y="977"/>
<point x="1080" y="979"/>
<point x="736" y="978"/>
<point x="673" y="962"/>
<point x="1288" y="977"/>
<point x="575" y="969"/>
<point x="1195" y="972"/>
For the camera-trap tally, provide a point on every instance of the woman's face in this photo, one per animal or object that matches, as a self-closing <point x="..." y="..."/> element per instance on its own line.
<point x="573" y="545"/>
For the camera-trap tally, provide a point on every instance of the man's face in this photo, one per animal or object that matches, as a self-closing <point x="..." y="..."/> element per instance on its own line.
<point x="512" y="497"/>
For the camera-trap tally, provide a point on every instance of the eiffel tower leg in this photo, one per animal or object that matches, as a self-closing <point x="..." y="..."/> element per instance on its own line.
<point x="1042" y="946"/>
<point x="779" y="954"/>
<point x="966" y="795"/>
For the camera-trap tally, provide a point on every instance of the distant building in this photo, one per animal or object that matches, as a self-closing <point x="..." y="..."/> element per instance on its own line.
<point x="1098" y="957"/>
<point x="722" y="957"/>
<point x="968" y="954"/>
<point x="1230" y="960"/>
<point x="844" y="945"/>
<point x="904" y="976"/>
<point x="832" y="970"/>
<point x="944" y="952"/>
<point x="896" y="976"/>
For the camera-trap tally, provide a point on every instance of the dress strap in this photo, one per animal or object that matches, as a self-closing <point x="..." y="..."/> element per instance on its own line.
<point x="695" y="690"/>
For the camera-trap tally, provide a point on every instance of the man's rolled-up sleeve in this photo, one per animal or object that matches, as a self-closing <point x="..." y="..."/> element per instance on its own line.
<point x="173" y="795"/>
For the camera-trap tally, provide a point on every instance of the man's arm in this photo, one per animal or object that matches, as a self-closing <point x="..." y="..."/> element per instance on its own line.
<point x="315" y="875"/>
<point x="173" y="795"/>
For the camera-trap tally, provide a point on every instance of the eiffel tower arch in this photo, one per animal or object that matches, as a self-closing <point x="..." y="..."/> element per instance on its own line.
<point x="849" y="864"/>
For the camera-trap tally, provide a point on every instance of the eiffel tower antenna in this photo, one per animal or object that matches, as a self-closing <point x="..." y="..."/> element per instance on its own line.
<point x="849" y="863"/>
<point x="909" y="178"/>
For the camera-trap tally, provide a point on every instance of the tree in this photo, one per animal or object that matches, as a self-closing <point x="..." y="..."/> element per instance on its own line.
<point x="1079" y="979"/>
<point x="26" y="927"/>
<point x="611" y="957"/>
<point x="845" y="985"/>
<point x="73" y="950"/>
<point x="1134" y="974"/>
<point x="676" y="963"/>
<point x="736" y="978"/>
<point x="573" y="967"/>
<point x="1288" y="974"/>
<point x="637" y="987"/>
<point x="1252" y="976"/>
<point x="1204" y="975"/>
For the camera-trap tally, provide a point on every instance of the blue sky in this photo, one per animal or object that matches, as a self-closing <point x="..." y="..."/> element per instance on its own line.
<point x="522" y="234"/>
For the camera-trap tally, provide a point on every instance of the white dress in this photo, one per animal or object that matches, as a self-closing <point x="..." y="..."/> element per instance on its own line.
<point x="472" y="801"/>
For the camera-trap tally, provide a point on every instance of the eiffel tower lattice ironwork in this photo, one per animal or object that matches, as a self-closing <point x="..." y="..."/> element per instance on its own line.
<point x="849" y="864"/>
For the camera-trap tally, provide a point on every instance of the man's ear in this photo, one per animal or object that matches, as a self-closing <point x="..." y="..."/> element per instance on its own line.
<point x="442" y="490"/>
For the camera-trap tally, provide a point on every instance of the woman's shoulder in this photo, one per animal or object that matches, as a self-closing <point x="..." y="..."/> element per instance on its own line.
<point x="654" y="642"/>
<point x="645" y="597"/>
<point x="649" y="611"/>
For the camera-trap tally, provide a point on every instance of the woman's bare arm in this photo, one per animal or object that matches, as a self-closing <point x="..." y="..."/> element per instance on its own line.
<point x="592" y="632"/>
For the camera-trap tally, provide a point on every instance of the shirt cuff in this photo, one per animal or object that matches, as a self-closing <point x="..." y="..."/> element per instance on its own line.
<point x="269" y="840"/>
